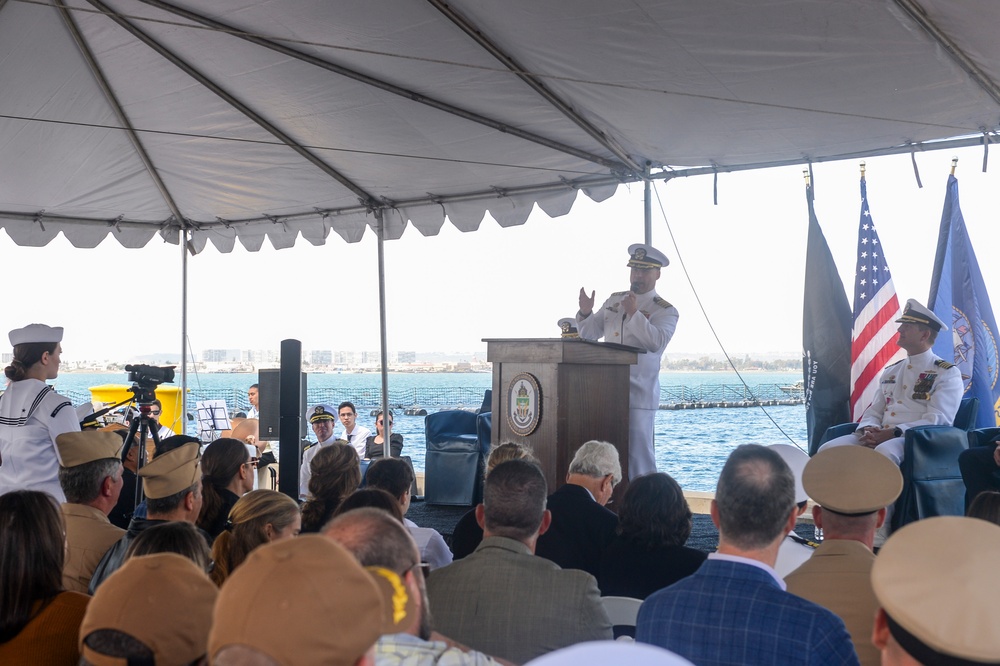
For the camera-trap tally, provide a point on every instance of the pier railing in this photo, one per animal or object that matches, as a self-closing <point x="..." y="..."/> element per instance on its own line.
<point x="673" y="396"/>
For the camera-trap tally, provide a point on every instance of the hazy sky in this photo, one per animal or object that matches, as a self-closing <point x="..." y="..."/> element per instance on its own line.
<point x="745" y="259"/>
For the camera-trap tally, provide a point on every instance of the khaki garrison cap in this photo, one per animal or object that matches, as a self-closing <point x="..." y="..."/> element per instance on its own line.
<point x="79" y="448"/>
<point x="852" y="480"/>
<point x="294" y="583"/>
<point x="164" y="601"/>
<point x="172" y="472"/>
<point x="936" y="580"/>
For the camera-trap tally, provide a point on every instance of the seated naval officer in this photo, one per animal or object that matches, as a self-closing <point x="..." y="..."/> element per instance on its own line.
<point x="90" y="474"/>
<point x="638" y="318"/>
<point x="922" y="389"/>
<point x="937" y="588"/>
<point x="852" y="486"/>
<point x="322" y="418"/>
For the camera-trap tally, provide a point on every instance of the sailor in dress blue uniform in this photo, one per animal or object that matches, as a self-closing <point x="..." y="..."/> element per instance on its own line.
<point x="922" y="389"/>
<point x="638" y="318"/>
<point x="32" y="414"/>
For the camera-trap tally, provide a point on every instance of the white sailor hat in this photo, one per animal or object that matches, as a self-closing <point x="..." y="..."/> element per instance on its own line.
<point x="568" y="327"/>
<point x="322" y="412"/>
<point x="915" y="313"/>
<point x="796" y="460"/>
<point x="935" y="581"/>
<point x="610" y="652"/>
<point x="645" y="256"/>
<point x="35" y="333"/>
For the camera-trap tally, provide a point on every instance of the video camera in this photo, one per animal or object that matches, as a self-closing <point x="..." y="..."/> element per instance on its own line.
<point x="150" y="375"/>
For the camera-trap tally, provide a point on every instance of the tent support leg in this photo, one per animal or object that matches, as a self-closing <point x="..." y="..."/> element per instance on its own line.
<point x="184" y="328"/>
<point x="386" y="421"/>
<point x="647" y="208"/>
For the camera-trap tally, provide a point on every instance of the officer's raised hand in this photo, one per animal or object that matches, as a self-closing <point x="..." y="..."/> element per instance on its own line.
<point x="586" y="302"/>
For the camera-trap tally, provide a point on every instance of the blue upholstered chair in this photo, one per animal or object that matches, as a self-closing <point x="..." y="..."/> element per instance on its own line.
<point x="932" y="482"/>
<point x="455" y="461"/>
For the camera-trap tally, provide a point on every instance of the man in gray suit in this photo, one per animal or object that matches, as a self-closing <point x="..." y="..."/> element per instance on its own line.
<point x="503" y="599"/>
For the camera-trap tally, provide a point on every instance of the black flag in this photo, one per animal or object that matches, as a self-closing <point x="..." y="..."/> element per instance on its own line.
<point x="826" y="337"/>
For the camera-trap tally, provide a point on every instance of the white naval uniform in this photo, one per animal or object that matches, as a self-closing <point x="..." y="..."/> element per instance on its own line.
<point x="919" y="390"/>
<point x="358" y="439"/>
<point x="32" y="415"/>
<point x="650" y="328"/>
<point x="792" y="554"/>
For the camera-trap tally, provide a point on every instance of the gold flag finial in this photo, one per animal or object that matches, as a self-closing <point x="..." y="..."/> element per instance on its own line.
<point x="862" y="169"/>
<point x="805" y="174"/>
<point x="954" y="163"/>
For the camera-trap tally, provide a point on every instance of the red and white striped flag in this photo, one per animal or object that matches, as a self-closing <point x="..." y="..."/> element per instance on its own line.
<point x="876" y="308"/>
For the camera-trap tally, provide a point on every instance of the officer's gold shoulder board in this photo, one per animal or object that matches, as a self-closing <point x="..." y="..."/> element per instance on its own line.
<point x="891" y="365"/>
<point x="619" y="293"/>
<point x="662" y="303"/>
<point x="941" y="363"/>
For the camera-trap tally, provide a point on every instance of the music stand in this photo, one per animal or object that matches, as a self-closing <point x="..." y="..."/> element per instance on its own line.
<point x="213" y="418"/>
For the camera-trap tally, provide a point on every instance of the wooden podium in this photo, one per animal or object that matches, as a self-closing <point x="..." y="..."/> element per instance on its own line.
<point x="582" y="391"/>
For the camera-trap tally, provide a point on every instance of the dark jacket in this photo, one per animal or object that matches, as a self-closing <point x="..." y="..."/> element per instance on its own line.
<point x="631" y="570"/>
<point x="467" y="535"/>
<point x="373" y="450"/>
<point x="581" y="529"/>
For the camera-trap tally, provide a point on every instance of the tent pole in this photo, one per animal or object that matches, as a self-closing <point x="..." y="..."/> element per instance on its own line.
<point x="386" y="427"/>
<point x="647" y="208"/>
<point x="184" y="329"/>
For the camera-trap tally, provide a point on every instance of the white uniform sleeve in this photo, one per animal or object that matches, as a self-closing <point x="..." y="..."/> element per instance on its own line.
<point x="64" y="420"/>
<point x="304" y="475"/>
<point x="873" y="415"/>
<point x="654" y="333"/>
<point x="437" y="554"/>
<point x="591" y="327"/>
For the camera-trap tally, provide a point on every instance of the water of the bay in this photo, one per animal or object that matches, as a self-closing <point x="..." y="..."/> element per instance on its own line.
<point x="691" y="444"/>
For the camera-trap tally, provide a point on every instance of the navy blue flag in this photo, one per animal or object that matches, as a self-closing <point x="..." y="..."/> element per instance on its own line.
<point x="959" y="297"/>
<point x="826" y="337"/>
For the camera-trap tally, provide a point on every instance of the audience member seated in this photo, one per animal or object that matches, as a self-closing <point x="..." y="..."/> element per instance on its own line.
<point x="851" y="486"/>
<point x="227" y="474"/>
<point x="121" y="514"/>
<point x="468" y="534"/>
<point x="986" y="506"/>
<point x="165" y="446"/>
<point x="937" y="591"/>
<point x="648" y="552"/>
<point x="39" y="620"/>
<point x="582" y="527"/>
<point x="383" y="545"/>
<point x="90" y="475"/>
<point x="299" y="601"/>
<point x="374" y="444"/>
<point x="794" y="550"/>
<point x="335" y="473"/>
<point x="172" y="482"/>
<point x="156" y="609"/>
<point x="734" y="609"/>
<point x="374" y="498"/>
<point x="503" y="600"/>
<point x="322" y="418"/>
<point x="396" y="477"/>
<point x="980" y="467"/>
<point x="257" y="518"/>
<point x="177" y="537"/>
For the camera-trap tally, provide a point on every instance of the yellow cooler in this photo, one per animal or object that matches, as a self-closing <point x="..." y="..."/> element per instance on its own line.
<point x="169" y="397"/>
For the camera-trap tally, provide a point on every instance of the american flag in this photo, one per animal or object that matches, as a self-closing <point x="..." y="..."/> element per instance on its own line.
<point x="873" y="340"/>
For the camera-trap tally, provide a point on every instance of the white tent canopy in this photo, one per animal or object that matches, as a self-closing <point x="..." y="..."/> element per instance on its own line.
<point x="240" y="119"/>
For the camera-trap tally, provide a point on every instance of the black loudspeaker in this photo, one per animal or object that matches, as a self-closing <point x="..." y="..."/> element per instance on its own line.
<point x="269" y="392"/>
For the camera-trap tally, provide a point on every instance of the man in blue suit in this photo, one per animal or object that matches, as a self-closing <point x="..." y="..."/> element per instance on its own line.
<point x="734" y="609"/>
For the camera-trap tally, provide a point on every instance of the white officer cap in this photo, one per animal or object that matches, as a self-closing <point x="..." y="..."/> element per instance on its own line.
<point x="322" y="412"/>
<point x="915" y="313"/>
<point x="35" y="333"/>
<point x="568" y="327"/>
<point x="796" y="459"/>
<point x="646" y="256"/>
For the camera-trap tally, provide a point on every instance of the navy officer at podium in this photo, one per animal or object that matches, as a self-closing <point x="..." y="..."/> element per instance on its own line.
<point x="638" y="318"/>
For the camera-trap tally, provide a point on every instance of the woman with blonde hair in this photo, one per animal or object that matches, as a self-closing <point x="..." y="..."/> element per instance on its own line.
<point x="259" y="517"/>
<point x="468" y="534"/>
<point x="335" y="474"/>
